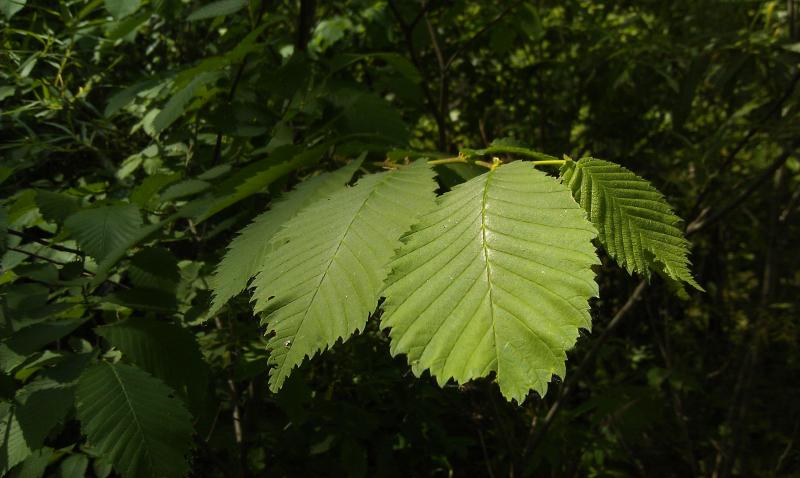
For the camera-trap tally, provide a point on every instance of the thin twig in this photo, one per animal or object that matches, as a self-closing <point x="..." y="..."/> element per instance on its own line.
<point x="408" y="36"/>
<point x="485" y="453"/>
<point x="422" y="12"/>
<point x="789" y="446"/>
<point x="444" y="85"/>
<point x="217" y="154"/>
<point x="677" y="403"/>
<point x="731" y="156"/>
<point x="85" y="272"/>
<point x="478" y="34"/>
<point x="702" y="223"/>
<point x="33" y="238"/>
<point x="536" y="433"/>
<point x="40" y="257"/>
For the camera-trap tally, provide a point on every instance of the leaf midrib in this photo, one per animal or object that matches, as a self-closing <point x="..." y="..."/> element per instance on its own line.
<point x="484" y="244"/>
<point x="367" y="197"/>
<point x="135" y="416"/>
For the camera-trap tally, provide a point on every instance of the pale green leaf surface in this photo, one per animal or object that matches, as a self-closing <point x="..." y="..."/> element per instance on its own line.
<point x="245" y="255"/>
<point x="497" y="279"/>
<point x="324" y="276"/>
<point x="101" y="230"/>
<point x="636" y="225"/>
<point x="134" y="420"/>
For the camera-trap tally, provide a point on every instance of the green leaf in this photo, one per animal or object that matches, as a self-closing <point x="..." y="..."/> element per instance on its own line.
<point x="123" y="247"/>
<point x="636" y="225"/>
<point x="255" y="177"/>
<point x="180" y="100"/>
<point x="154" y="268"/>
<point x="101" y="230"/>
<point x="35" y="465"/>
<point x="11" y="7"/>
<point x="217" y="9"/>
<point x="165" y="350"/>
<point x="368" y="113"/>
<point x="121" y="8"/>
<point x="398" y="62"/>
<point x="122" y="98"/>
<point x="496" y="279"/>
<point x="74" y="466"/>
<point x="245" y="256"/>
<point x="323" y="278"/>
<point x="146" y="191"/>
<point x="188" y="187"/>
<point x="56" y="207"/>
<point x="134" y="420"/>
<point x="127" y="27"/>
<point x="24" y="424"/>
<point x="24" y="342"/>
<point x="144" y="299"/>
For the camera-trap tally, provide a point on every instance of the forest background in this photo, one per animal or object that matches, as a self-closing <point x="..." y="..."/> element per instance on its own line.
<point x="138" y="136"/>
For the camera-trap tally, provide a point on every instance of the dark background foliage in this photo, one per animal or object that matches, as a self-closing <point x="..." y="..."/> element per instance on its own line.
<point x="155" y="104"/>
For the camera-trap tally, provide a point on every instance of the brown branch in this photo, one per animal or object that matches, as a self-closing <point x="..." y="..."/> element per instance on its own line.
<point x="305" y="21"/>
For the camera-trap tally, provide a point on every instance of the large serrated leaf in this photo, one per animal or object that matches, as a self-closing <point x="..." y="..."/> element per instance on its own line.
<point x="165" y="350"/>
<point x="100" y="231"/>
<point x="496" y="278"/>
<point x="134" y="420"/>
<point x="245" y="256"/>
<point x="636" y="225"/>
<point x="323" y="278"/>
